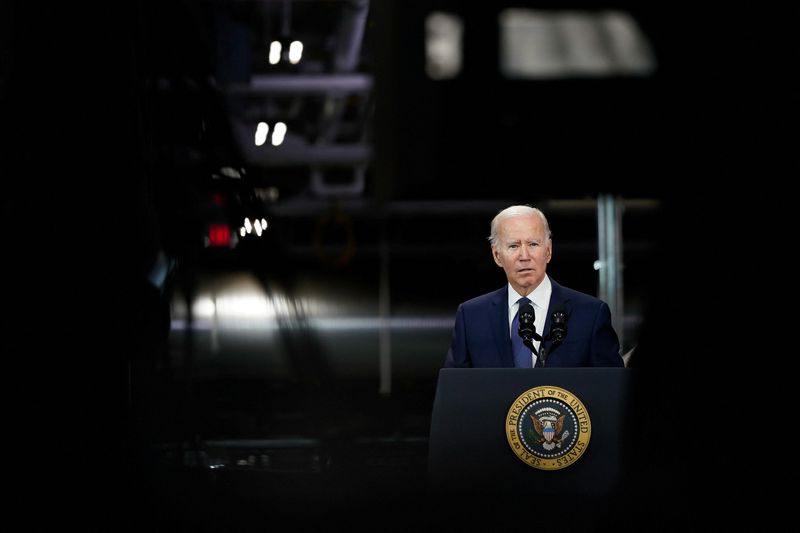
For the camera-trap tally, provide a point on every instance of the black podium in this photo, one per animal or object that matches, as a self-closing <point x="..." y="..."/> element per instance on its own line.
<point x="472" y="435"/>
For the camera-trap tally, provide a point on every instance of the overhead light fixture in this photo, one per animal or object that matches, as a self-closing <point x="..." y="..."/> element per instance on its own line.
<point x="278" y="133"/>
<point x="285" y="49"/>
<point x="257" y="226"/>
<point x="262" y="130"/>
<point x="295" y="52"/>
<point x="275" y="48"/>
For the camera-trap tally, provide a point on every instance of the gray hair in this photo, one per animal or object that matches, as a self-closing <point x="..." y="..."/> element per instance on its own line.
<point x="517" y="211"/>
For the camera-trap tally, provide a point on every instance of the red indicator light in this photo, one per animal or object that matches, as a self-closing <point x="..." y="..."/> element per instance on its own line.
<point x="219" y="235"/>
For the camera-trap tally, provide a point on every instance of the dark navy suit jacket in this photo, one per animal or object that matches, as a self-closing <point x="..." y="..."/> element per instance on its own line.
<point x="481" y="333"/>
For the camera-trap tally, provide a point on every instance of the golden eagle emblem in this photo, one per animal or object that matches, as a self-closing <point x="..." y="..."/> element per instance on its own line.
<point x="549" y="426"/>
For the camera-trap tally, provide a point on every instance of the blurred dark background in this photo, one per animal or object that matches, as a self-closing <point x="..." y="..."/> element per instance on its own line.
<point x="221" y="329"/>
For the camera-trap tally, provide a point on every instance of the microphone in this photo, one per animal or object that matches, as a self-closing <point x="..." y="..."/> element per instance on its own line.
<point x="558" y="324"/>
<point x="558" y="330"/>
<point x="527" y="328"/>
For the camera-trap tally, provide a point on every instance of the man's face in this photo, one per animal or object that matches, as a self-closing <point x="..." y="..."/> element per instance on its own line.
<point x="523" y="251"/>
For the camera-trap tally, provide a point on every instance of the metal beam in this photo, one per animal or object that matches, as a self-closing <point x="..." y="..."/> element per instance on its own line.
<point x="609" y="243"/>
<point x="343" y="83"/>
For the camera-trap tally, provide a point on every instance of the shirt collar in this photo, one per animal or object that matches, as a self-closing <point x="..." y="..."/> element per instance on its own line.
<point x="540" y="295"/>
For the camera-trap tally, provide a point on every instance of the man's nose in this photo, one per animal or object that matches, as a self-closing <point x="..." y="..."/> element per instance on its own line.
<point x="524" y="253"/>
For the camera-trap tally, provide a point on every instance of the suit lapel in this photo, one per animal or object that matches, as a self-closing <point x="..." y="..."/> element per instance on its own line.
<point x="498" y="318"/>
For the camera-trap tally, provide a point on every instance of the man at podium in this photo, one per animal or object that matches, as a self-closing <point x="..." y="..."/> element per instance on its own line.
<point x="532" y="321"/>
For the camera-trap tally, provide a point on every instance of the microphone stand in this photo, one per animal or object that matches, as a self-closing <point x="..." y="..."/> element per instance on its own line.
<point x="543" y="350"/>
<point x="528" y="341"/>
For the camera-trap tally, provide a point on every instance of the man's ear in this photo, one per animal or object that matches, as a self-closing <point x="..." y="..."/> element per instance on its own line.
<point x="496" y="257"/>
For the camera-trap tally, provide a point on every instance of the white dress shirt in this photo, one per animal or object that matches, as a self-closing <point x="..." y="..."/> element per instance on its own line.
<point x="540" y="299"/>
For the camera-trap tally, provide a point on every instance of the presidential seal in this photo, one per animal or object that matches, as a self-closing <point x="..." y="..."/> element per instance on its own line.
<point x="548" y="427"/>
